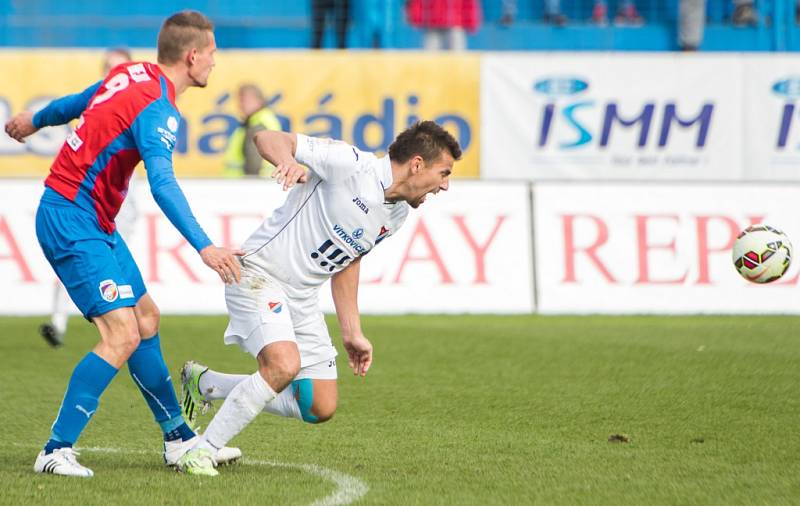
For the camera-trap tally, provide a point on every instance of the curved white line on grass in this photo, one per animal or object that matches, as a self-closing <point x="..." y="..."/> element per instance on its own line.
<point x="348" y="488"/>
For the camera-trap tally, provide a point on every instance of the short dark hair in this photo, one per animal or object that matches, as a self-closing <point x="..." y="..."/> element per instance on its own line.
<point x="180" y="32"/>
<point x="426" y="139"/>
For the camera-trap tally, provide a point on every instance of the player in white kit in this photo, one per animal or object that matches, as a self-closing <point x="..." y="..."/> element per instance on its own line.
<point x="350" y="202"/>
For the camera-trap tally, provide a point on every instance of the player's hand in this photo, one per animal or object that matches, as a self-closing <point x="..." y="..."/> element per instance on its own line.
<point x="224" y="261"/>
<point x="289" y="174"/>
<point x="21" y="126"/>
<point x="359" y="354"/>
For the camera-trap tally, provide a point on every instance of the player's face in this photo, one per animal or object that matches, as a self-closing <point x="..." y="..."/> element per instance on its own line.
<point x="201" y="62"/>
<point x="431" y="178"/>
<point x="249" y="103"/>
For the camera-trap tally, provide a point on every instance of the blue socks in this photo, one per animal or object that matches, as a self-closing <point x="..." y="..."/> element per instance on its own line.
<point x="150" y="374"/>
<point x="89" y="379"/>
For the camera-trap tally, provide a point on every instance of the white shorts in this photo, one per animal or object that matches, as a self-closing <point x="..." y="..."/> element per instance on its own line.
<point x="325" y="370"/>
<point x="261" y="313"/>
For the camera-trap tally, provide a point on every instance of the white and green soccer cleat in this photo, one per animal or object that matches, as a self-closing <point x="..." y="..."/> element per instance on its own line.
<point x="174" y="450"/>
<point x="198" y="462"/>
<point x="194" y="403"/>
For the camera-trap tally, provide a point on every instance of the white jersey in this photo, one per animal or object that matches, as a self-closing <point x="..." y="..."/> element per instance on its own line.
<point x="338" y="215"/>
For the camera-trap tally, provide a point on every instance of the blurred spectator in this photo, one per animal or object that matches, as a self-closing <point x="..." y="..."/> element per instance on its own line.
<point x="692" y="20"/>
<point x="241" y="157"/>
<point x="744" y="13"/>
<point x="320" y="11"/>
<point x="445" y="21"/>
<point x="115" y="56"/>
<point x="372" y="18"/>
<point x="627" y="14"/>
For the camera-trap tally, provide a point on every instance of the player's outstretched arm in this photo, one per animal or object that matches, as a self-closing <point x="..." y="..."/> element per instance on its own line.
<point x="344" y="289"/>
<point x="278" y="148"/>
<point x="58" y="112"/>
<point x="172" y="201"/>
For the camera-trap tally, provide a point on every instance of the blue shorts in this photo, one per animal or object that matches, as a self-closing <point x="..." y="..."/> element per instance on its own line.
<point x="96" y="268"/>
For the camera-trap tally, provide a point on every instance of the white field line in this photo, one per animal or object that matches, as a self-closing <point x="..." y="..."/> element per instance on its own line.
<point x="348" y="488"/>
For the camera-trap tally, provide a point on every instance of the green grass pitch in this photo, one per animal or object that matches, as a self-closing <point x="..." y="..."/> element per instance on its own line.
<point x="456" y="410"/>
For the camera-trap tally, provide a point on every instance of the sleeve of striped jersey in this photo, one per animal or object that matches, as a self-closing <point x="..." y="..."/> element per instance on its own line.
<point x="330" y="159"/>
<point x="172" y="201"/>
<point x="65" y="109"/>
<point x="154" y="130"/>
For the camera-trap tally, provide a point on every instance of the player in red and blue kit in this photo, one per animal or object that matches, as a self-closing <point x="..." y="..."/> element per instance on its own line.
<point x="128" y="117"/>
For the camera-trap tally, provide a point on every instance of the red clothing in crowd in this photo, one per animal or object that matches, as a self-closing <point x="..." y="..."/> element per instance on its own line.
<point x="444" y="13"/>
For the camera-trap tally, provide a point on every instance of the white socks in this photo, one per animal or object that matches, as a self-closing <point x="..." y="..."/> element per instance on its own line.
<point x="245" y="402"/>
<point x="218" y="385"/>
<point x="284" y="405"/>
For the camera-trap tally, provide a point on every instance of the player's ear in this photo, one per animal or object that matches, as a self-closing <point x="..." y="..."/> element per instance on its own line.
<point x="191" y="56"/>
<point x="417" y="163"/>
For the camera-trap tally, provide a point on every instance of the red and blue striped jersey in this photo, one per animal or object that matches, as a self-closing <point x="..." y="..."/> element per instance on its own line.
<point x="131" y="117"/>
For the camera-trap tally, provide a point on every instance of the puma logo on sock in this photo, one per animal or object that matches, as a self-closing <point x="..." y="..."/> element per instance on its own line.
<point x="83" y="410"/>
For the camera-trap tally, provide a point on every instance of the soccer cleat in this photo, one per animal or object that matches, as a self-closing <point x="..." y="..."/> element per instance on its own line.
<point x="194" y="403"/>
<point x="53" y="337"/>
<point x="174" y="450"/>
<point x="62" y="461"/>
<point x="197" y="462"/>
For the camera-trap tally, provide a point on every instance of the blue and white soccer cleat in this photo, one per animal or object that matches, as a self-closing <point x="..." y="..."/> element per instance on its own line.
<point x="62" y="461"/>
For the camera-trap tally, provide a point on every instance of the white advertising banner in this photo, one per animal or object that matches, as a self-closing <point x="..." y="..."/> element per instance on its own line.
<point x="657" y="248"/>
<point x="648" y="116"/>
<point x="772" y="117"/>
<point x="466" y="250"/>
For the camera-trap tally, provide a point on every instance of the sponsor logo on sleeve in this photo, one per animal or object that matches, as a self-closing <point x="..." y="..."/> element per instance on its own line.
<point x="350" y="241"/>
<point x="74" y="141"/>
<point x="383" y="234"/>
<point x="168" y="138"/>
<point x="125" y="291"/>
<point x="138" y="73"/>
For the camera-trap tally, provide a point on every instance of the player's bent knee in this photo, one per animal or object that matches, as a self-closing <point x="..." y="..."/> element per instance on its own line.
<point x="148" y="318"/>
<point x="127" y="344"/>
<point x="280" y="371"/>
<point x="148" y="324"/>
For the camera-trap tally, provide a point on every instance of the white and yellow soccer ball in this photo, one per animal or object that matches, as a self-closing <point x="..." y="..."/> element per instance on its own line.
<point x="762" y="253"/>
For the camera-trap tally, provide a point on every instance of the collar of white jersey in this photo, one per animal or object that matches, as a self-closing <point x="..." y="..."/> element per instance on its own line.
<point x="385" y="172"/>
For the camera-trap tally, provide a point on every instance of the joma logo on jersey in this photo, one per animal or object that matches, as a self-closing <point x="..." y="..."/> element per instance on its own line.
<point x="361" y="205"/>
<point x="348" y="240"/>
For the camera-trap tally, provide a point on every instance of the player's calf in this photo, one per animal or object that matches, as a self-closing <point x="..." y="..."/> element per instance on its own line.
<point x="316" y="399"/>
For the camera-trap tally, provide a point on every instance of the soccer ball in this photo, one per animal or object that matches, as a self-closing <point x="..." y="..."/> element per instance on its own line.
<point x="762" y="253"/>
